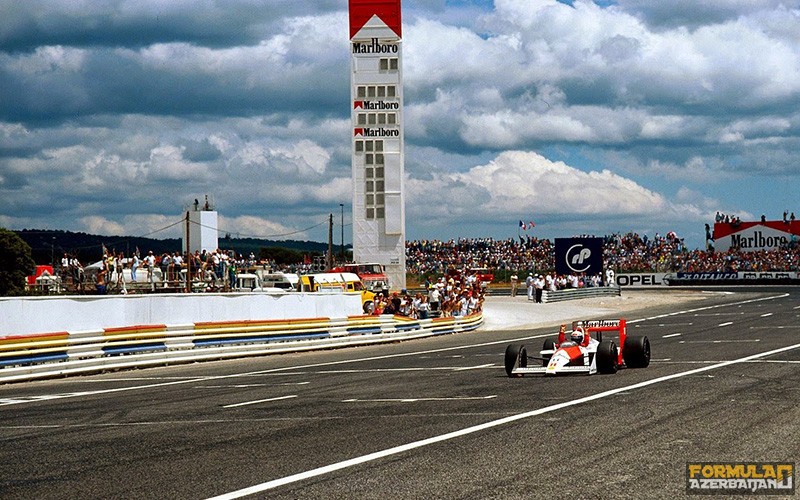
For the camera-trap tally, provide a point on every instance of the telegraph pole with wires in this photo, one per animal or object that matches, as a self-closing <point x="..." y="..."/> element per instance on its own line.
<point x="329" y="262"/>
<point x="342" y="240"/>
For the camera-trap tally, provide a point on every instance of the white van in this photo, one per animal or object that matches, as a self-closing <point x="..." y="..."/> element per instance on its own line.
<point x="288" y="282"/>
<point x="248" y="282"/>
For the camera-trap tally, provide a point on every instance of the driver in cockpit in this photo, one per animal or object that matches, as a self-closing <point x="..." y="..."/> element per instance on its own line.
<point x="575" y="337"/>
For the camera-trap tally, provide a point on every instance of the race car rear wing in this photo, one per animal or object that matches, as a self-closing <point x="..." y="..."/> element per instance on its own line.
<point x="599" y="326"/>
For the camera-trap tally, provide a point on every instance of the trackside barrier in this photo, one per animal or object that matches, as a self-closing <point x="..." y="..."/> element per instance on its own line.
<point x="44" y="355"/>
<point x="580" y="293"/>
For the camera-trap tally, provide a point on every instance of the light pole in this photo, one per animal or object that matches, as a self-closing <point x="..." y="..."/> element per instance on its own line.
<point x="342" y="207"/>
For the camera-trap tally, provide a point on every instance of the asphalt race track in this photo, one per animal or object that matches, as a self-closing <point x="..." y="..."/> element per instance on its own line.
<point x="434" y="418"/>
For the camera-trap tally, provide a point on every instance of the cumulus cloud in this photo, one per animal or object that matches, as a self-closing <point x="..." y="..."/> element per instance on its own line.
<point x="248" y="226"/>
<point x="100" y="225"/>
<point x="519" y="182"/>
<point x="115" y="114"/>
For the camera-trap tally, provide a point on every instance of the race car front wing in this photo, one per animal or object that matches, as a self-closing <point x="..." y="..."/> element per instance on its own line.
<point x="543" y="369"/>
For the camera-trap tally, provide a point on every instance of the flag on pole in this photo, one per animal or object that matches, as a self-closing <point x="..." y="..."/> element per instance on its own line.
<point x="531" y="224"/>
<point x="522" y="225"/>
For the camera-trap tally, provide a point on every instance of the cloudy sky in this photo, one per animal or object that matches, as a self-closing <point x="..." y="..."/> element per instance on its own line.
<point x="584" y="117"/>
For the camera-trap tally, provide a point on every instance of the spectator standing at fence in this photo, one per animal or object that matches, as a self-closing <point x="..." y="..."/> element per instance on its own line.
<point x="150" y="263"/>
<point x="232" y="270"/>
<point x="609" y="277"/>
<point x="463" y="304"/>
<point x="435" y="297"/>
<point x="64" y="268"/>
<point x="474" y="303"/>
<point x="377" y="305"/>
<point x="529" y="285"/>
<point x="174" y="266"/>
<point x="134" y="266"/>
<point x="119" y="266"/>
<point x="100" y="281"/>
<point x="538" y="285"/>
<point x="550" y="282"/>
<point x="406" y="305"/>
<point x="388" y="307"/>
<point x="164" y="264"/>
<point x="573" y="281"/>
<point x="423" y="308"/>
<point x="77" y="272"/>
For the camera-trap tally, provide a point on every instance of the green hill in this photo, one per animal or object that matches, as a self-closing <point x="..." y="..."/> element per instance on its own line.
<point x="50" y="245"/>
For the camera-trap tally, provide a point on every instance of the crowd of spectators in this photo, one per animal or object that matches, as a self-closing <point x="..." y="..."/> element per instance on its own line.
<point x="216" y="270"/>
<point x="624" y="253"/>
<point x="436" y="257"/>
<point x="441" y="298"/>
<point x="435" y="260"/>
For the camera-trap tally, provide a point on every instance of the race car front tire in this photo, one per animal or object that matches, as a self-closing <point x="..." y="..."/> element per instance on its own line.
<point x="606" y="357"/>
<point x="636" y="351"/>
<point x="516" y="355"/>
<point x="549" y="345"/>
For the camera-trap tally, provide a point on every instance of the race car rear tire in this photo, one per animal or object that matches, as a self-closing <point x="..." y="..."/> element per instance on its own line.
<point x="636" y="351"/>
<point x="516" y="355"/>
<point x="606" y="357"/>
<point x="549" y="345"/>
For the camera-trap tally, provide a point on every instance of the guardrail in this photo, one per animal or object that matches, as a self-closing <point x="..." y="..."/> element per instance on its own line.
<point x="579" y="293"/>
<point x="46" y="355"/>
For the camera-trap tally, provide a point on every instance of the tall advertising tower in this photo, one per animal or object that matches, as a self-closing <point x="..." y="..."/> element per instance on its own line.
<point x="376" y="91"/>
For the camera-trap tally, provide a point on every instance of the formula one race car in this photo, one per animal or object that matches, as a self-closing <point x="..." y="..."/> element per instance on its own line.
<point x="582" y="350"/>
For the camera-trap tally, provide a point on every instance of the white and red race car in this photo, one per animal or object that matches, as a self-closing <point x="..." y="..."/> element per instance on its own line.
<point x="582" y="350"/>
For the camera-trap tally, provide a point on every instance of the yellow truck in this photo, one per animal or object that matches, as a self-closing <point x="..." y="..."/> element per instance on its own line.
<point x="337" y="283"/>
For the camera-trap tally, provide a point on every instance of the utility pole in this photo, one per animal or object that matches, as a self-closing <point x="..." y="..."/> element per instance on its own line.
<point x="188" y="257"/>
<point x="342" y="206"/>
<point x="330" y="243"/>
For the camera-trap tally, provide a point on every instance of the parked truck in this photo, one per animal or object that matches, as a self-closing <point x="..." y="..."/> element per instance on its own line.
<point x="372" y="275"/>
<point x="339" y="282"/>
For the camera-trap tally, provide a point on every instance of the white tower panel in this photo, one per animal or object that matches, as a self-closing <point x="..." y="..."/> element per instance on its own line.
<point x="378" y="155"/>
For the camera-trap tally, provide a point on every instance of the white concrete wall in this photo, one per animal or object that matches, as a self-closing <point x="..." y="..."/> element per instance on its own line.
<point x="26" y="315"/>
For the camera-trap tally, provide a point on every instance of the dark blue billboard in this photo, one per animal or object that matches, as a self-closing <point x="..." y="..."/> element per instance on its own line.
<point x="579" y="255"/>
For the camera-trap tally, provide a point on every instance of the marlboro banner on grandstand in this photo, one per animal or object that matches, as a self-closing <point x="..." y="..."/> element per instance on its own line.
<point x="751" y="236"/>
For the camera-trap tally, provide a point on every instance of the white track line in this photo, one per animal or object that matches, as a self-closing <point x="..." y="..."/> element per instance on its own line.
<point x="477" y="428"/>
<point x="246" y="403"/>
<point x="417" y="400"/>
<point x="742" y="341"/>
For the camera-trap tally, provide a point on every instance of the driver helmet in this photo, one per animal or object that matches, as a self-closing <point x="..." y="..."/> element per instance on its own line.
<point x="577" y="335"/>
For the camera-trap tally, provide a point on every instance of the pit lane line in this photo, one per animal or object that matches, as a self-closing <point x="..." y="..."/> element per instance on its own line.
<point x="47" y="397"/>
<point x="320" y="471"/>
